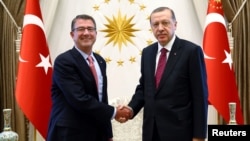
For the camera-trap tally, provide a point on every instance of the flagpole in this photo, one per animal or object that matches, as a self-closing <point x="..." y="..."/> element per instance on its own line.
<point x="34" y="139"/>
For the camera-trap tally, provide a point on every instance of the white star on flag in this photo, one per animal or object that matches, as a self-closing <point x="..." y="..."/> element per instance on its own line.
<point x="33" y="86"/>
<point x="45" y="63"/>
<point x="228" y="59"/>
<point x="221" y="80"/>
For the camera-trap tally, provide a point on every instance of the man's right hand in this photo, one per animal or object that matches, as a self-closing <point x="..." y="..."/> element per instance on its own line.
<point x="123" y="113"/>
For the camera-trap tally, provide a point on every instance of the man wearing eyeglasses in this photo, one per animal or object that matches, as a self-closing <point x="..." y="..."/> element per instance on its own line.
<point x="80" y="110"/>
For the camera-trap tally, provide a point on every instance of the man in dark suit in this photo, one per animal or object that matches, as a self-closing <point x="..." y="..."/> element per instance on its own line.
<point x="176" y="110"/>
<point x="80" y="110"/>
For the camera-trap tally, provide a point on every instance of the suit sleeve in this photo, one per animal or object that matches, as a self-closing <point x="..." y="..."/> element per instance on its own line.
<point x="199" y="93"/>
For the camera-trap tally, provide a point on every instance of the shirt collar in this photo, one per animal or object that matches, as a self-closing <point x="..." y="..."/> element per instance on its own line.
<point x="167" y="46"/>
<point x="84" y="55"/>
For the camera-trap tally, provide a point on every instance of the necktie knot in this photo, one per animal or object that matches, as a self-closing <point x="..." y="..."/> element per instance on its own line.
<point x="90" y="59"/>
<point x="93" y="70"/>
<point x="164" y="51"/>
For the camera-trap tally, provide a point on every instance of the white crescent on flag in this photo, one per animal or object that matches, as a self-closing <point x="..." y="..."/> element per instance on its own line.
<point x="31" y="19"/>
<point x="214" y="17"/>
<point x="210" y="18"/>
<point x="21" y="59"/>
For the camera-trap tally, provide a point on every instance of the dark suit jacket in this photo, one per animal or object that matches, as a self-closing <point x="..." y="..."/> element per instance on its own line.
<point x="75" y="100"/>
<point x="178" y="107"/>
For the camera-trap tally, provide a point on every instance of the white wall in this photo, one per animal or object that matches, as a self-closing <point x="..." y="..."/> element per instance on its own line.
<point x="122" y="79"/>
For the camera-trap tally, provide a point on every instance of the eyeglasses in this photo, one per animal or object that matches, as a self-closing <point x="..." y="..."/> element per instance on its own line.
<point x="82" y="29"/>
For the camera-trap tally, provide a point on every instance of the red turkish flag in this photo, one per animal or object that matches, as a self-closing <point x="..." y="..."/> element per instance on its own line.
<point x="221" y="78"/>
<point x="34" y="70"/>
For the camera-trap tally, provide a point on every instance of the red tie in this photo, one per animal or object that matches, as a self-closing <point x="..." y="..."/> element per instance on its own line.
<point x="161" y="65"/>
<point x="92" y="67"/>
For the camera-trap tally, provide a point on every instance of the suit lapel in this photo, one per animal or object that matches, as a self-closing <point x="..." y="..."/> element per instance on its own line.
<point x="151" y="59"/>
<point x="83" y="65"/>
<point x="100" y="62"/>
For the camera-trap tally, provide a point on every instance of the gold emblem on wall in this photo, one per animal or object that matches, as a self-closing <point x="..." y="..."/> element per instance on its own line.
<point x="123" y="26"/>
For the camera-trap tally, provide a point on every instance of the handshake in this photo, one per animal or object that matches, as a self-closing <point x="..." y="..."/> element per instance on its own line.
<point x="123" y="113"/>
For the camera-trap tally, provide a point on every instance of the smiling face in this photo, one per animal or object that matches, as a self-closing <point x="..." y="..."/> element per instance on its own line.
<point x="84" y="34"/>
<point x="163" y="25"/>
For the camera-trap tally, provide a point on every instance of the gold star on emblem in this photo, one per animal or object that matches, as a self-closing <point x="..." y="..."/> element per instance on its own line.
<point x="106" y="1"/>
<point x="149" y="41"/>
<point x="142" y="7"/>
<point x="120" y="62"/>
<point x="96" y="7"/>
<point x="132" y="59"/>
<point x="131" y="1"/>
<point x="108" y="60"/>
<point x="119" y="30"/>
<point x="97" y="51"/>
